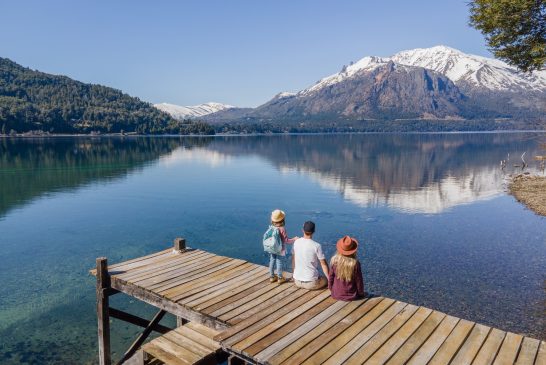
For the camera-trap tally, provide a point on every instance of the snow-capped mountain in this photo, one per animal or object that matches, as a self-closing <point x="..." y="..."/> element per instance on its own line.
<point x="181" y="112"/>
<point x="465" y="70"/>
<point x="424" y="83"/>
<point x="478" y="71"/>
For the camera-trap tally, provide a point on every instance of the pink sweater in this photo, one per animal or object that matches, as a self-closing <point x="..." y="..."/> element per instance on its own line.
<point x="285" y="239"/>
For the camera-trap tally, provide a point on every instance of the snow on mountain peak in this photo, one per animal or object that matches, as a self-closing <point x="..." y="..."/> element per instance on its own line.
<point x="461" y="68"/>
<point x="181" y="112"/>
<point x="367" y="63"/>
<point x="475" y="70"/>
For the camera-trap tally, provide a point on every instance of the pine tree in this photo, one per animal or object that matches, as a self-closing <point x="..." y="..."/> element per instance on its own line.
<point x="514" y="29"/>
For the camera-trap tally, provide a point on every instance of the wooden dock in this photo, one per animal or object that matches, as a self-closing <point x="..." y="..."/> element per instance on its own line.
<point x="259" y="322"/>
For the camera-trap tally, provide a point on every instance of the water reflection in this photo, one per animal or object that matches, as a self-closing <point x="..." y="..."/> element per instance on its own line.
<point x="30" y="168"/>
<point x="425" y="173"/>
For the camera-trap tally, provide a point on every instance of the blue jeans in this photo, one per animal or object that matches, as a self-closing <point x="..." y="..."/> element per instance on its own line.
<point x="275" y="261"/>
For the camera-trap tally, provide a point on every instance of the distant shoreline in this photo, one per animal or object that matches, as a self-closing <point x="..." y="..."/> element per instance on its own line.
<point x="131" y="135"/>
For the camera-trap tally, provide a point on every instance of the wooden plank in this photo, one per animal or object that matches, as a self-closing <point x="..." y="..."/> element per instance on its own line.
<point x="164" y="356"/>
<point x="189" y="344"/>
<point x="166" y="261"/>
<point x="164" y="268"/>
<point x="326" y="347"/>
<point x="489" y="349"/>
<point x="178" y="351"/>
<point x="470" y="347"/>
<point x="392" y="345"/>
<point x="453" y="343"/>
<point x="243" y="305"/>
<point x="195" y="286"/>
<point x="273" y="336"/>
<point x="119" y="264"/>
<point x="509" y="349"/>
<point x="180" y="277"/>
<point x="126" y="267"/>
<point x="200" y="304"/>
<point x="269" y="310"/>
<point x="179" y="271"/>
<point x="205" y="341"/>
<point x="449" y="335"/>
<point x="417" y="339"/>
<point x="223" y="283"/>
<point x="541" y="354"/>
<point x="315" y="332"/>
<point x="205" y="331"/>
<point x="254" y="276"/>
<point x="320" y="349"/>
<point x="290" y="335"/>
<point x="165" y="304"/>
<point x="254" y="333"/>
<point x="256" y="313"/>
<point x="244" y="296"/>
<point x="368" y="341"/>
<point x="528" y="351"/>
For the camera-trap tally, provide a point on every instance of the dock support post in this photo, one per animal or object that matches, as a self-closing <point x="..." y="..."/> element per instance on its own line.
<point x="103" y="285"/>
<point x="180" y="246"/>
<point x="234" y="360"/>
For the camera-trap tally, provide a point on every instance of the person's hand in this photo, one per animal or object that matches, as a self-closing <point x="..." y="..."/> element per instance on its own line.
<point x="295" y="237"/>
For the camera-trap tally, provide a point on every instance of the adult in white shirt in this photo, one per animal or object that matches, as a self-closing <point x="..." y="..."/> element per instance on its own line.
<point x="307" y="254"/>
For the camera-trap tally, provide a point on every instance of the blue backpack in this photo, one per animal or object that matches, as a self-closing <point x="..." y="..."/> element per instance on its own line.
<point x="272" y="241"/>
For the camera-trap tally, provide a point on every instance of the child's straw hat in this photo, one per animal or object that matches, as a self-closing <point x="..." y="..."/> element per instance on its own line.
<point x="277" y="216"/>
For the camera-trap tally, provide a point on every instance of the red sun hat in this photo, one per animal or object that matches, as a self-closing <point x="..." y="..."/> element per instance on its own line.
<point x="347" y="245"/>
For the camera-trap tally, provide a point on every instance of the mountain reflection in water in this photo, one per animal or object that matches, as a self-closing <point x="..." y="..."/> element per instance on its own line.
<point x="422" y="173"/>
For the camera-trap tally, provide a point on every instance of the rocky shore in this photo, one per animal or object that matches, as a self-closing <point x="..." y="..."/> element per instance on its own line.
<point x="531" y="191"/>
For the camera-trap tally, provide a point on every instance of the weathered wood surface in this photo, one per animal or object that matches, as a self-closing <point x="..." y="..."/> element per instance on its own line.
<point x="268" y="323"/>
<point x="191" y="344"/>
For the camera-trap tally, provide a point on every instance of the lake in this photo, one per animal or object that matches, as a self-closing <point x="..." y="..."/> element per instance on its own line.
<point x="431" y="211"/>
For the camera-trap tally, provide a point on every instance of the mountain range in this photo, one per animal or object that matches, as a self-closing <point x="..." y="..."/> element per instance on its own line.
<point x="425" y="83"/>
<point x="195" y="111"/>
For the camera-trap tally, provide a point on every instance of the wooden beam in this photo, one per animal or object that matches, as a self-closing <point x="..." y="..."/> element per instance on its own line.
<point x="234" y="360"/>
<point x="103" y="320"/>
<point x="174" y="308"/>
<point x="137" y="321"/>
<point x="142" y="337"/>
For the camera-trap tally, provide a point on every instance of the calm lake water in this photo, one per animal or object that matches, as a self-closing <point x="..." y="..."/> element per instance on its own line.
<point x="431" y="211"/>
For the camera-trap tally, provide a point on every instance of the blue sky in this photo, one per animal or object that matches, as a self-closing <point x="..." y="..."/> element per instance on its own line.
<point x="235" y="52"/>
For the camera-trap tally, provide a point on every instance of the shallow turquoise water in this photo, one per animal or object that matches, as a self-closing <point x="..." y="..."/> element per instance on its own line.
<point x="436" y="225"/>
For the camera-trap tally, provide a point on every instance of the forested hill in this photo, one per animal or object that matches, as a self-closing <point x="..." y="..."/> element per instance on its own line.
<point x="32" y="100"/>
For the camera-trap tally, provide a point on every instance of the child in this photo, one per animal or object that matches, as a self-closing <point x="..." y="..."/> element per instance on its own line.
<point x="345" y="278"/>
<point x="275" y="257"/>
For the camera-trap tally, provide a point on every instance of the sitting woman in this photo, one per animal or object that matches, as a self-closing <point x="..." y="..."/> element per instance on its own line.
<point x="345" y="277"/>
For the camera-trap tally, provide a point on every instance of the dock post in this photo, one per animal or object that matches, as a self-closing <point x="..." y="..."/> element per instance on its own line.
<point x="103" y="284"/>
<point x="180" y="246"/>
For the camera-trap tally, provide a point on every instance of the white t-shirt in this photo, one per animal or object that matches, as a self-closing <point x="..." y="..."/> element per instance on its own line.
<point x="307" y="255"/>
